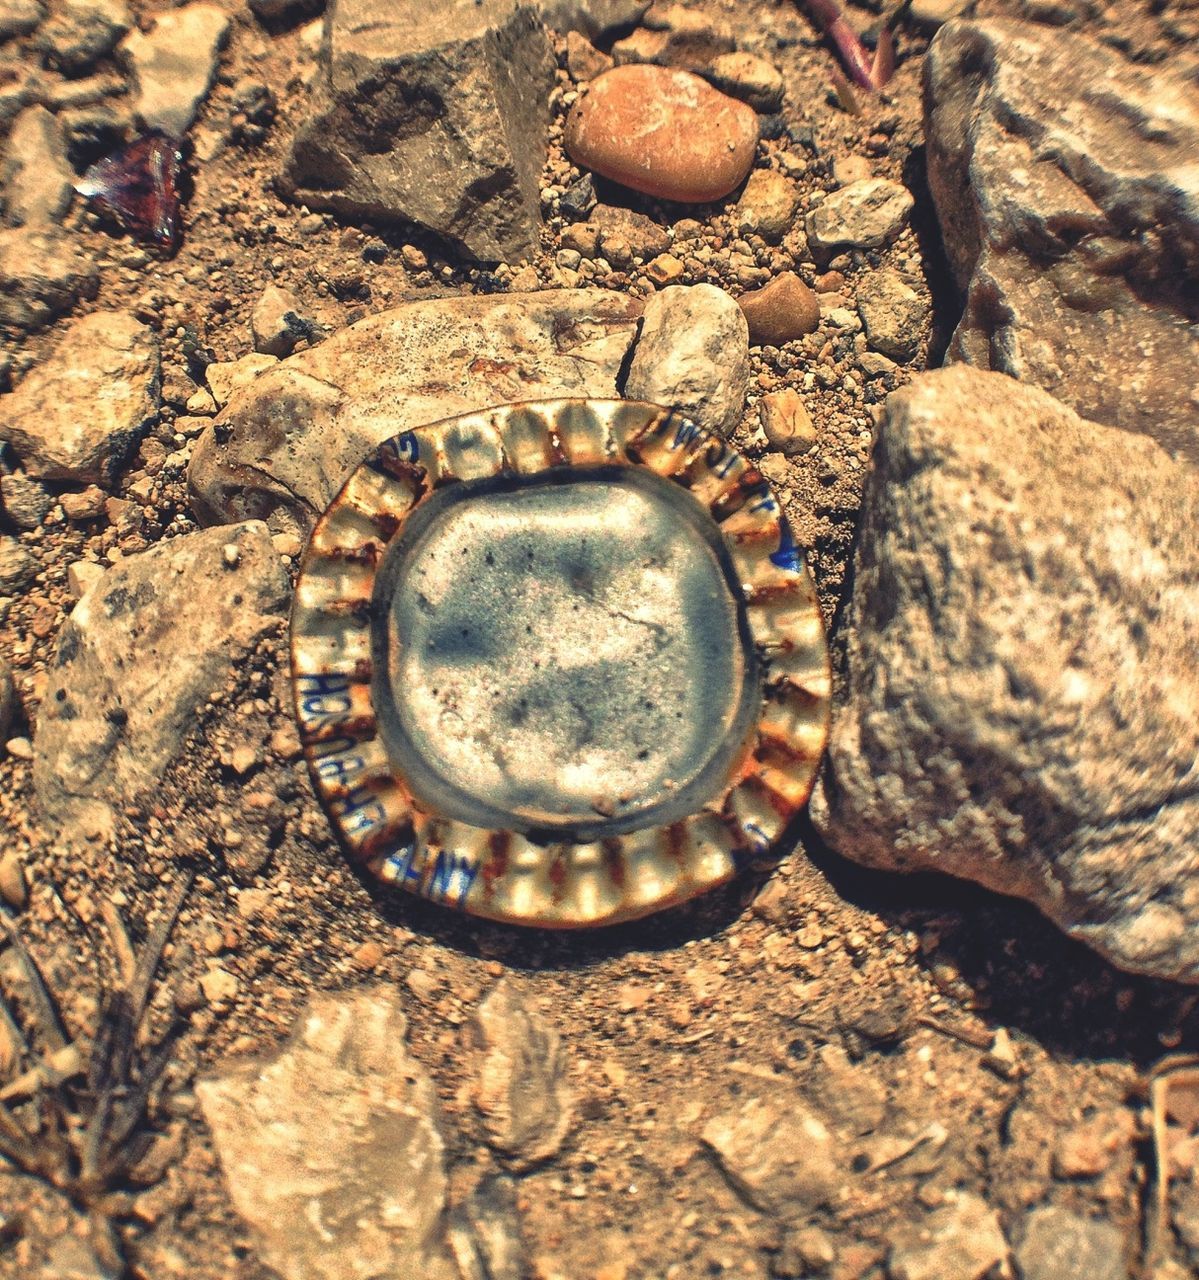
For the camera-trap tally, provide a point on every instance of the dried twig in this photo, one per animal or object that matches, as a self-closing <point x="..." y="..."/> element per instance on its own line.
<point x="84" y="1138"/>
<point x="1178" y="1068"/>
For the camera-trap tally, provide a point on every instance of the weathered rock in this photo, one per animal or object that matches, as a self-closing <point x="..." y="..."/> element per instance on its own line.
<point x="522" y="1091"/>
<point x="37" y="178"/>
<point x="175" y="63"/>
<point x="227" y="377"/>
<point x="17" y="566"/>
<point x="592" y="18"/>
<point x="672" y="35"/>
<point x="663" y="132"/>
<point x="1021" y="685"/>
<point x="767" y="205"/>
<point x="578" y="200"/>
<point x="786" y="422"/>
<point x="331" y="1149"/>
<point x="780" y="311"/>
<point x="1059" y="1245"/>
<point x="485" y="1233"/>
<point x="1079" y="275"/>
<point x="23" y="501"/>
<point x="779" y="1155"/>
<point x="278" y="323"/>
<point x="864" y="215"/>
<point x="19" y="17"/>
<point x="935" y="13"/>
<point x="146" y="646"/>
<point x="624" y="234"/>
<point x="431" y="114"/>
<point x="749" y="78"/>
<point x="8" y="700"/>
<point x="962" y="1241"/>
<point x="42" y="274"/>
<point x="80" y="31"/>
<point x="78" y="415"/>
<point x="893" y="314"/>
<point x="583" y="60"/>
<point x="693" y="355"/>
<point x="389" y="373"/>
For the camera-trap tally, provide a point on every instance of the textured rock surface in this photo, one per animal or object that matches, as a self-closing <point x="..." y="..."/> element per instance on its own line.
<point x="664" y="132"/>
<point x="142" y="650"/>
<point x="864" y="215"/>
<point x="7" y="700"/>
<point x="1059" y="1245"/>
<point x="693" y="355"/>
<point x="894" y="314"/>
<point x="1077" y="273"/>
<point x="77" y="415"/>
<point x="80" y="31"/>
<point x="673" y="35"/>
<point x="42" y="274"/>
<point x="37" y="178"/>
<point x="17" y="566"/>
<point x="432" y="114"/>
<point x="767" y="205"/>
<point x="396" y="370"/>
<point x="331" y="1149"/>
<point x="749" y="78"/>
<point x="1022" y="692"/>
<point x="522" y="1091"/>
<point x="593" y="18"/>
<point x="962" y="1241"/>
<point x="777" y="1153"/>
<point x="174" y="64"/>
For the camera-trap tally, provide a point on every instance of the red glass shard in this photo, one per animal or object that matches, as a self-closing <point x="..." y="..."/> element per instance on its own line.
<point x="138" y="187"/>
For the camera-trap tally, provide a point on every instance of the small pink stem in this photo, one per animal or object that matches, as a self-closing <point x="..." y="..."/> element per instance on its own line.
<point x="860" y="64"/>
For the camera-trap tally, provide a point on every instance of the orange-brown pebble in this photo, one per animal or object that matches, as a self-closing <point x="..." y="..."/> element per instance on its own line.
<point x="664" y="132"/>
<point x="780" y="311"/>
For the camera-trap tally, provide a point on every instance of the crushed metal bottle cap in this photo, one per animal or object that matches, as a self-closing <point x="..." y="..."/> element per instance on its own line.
<point x="558" y="663"/>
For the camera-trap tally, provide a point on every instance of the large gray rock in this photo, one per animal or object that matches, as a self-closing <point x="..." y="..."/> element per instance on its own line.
<point x="284" y="445"/>
<point x="175" y="63"/>
<point x="143" y="649"/>
<point x="331" y="1148"/>
<point x="693" y="355"/>
<point x="431" y="113"/>
<point x="78" y="415"/>
<point x="1068" y="193"/>
<point x="1022" y="700"/>
<point x="522" y="1091"/>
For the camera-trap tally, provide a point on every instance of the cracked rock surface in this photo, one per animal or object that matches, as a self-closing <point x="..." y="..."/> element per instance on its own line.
<point x="141" y="651"/>
<point x="1065" y="181"/>
<point x="1020" y="676"/>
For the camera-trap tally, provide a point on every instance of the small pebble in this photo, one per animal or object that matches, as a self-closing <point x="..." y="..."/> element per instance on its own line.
<point x="699" y="147"/>
<point x="780" y="311"/>
<point x="767" y="205"/>
<point x="13" y="887"/>
<point x="786" y="422"/>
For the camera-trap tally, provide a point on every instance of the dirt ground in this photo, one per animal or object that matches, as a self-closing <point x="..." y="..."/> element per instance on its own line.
<point x="878" y="998"/>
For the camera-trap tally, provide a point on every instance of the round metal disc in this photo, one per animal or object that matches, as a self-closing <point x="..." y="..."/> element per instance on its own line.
<point x="558" y="663"/>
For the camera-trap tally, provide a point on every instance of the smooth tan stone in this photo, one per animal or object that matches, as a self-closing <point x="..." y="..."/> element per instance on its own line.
<point x="780" y="311"/>
<point x="666" y="133"/>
